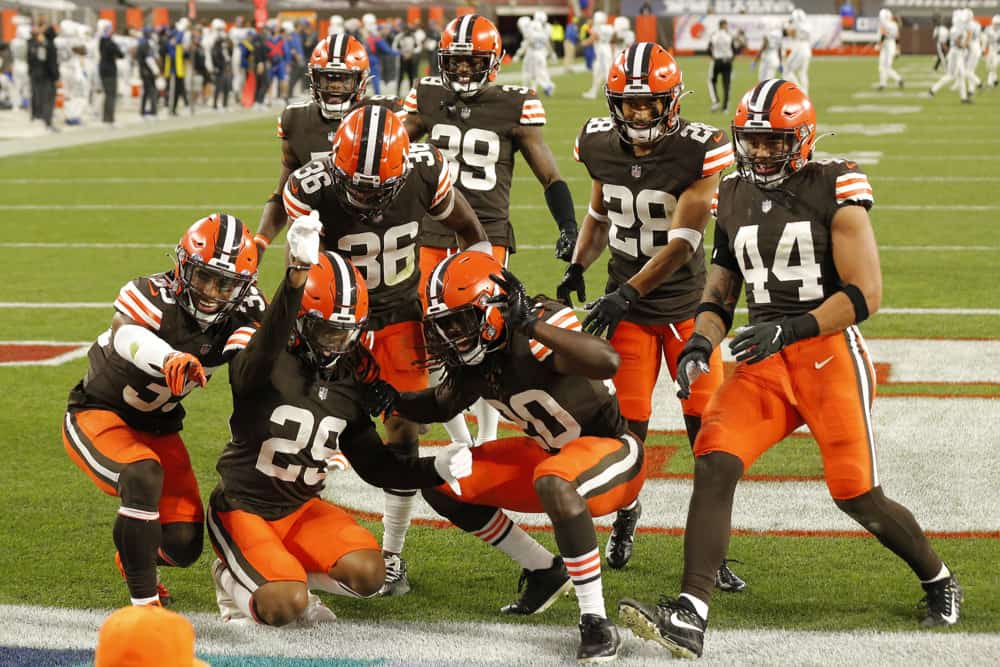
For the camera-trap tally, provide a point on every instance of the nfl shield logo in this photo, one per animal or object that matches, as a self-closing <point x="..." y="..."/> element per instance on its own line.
<point x="329" y="136"/>
<point x="204" y="349"/>
<point x="465" y="113"/>
<point x="323" y="391"/>
<point x="765" y="206"/>
<point x="636" y="170"/>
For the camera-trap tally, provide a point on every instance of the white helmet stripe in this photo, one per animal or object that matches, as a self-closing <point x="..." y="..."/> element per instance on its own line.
<point x="344" y="280"/>
<point x="435" y="284"/>
<point x="337" y="48"/>
<point x="374" y="130"/>
<point x="464" y="28"/>
<point x="758" y="101"/>
<point x="639" y="53"/>
<point x="228" y="227"/>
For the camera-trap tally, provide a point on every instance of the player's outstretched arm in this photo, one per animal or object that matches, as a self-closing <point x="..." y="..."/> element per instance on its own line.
<point x="154" y="356"/>
<point x="379" y="466"/>
<point x="435" y="405"/>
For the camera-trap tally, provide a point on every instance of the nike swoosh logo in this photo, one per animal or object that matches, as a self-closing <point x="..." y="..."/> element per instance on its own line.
<point x="675" y="620"/>
<point x="777" y="335"/>
<point x="820" y="364"/>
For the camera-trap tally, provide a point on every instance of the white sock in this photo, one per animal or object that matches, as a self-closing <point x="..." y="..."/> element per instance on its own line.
<point x="488" y="418"/>
<point x="943" y="574"/>
<point x="396" y="521"/>
<point x="240" y="594"/>
<point x="142" y="602"/>
<point x="700" y="606"/>
<point x="324" y="582"/>
<point x="509" y="538"/>
<point x="585" y="571"/>
<point x="630" y="506"/>
<point x="457" y="429"/>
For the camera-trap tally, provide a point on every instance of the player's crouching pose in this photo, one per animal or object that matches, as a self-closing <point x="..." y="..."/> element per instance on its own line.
<point x="299" y="394"/>
<point x="532" y="362"/>
<point x="169" y="333"/>
<point x="797" y="233"/>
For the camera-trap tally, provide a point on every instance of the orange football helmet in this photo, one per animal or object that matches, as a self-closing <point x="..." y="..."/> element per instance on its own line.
<point x="215" y="266"/>
<point x="334" y="310"/>
<point x="338" y="73"/>
<point x="460" y="323"/>
<point x="644" y="73"/>
<point x="775" y="131"/>
<point x="469" y="54"/>
<point x="371" y="152"/>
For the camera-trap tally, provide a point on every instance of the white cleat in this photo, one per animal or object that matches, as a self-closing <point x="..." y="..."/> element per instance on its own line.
<point x="228" y="610"/>
<point x="316" y="612"/>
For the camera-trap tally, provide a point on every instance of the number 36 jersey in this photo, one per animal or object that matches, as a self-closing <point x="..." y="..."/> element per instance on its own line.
<point x="779" y="239"/>
<point x="477" y="138"/>
<point x="384" y="249"/>
<point x="640" y="196"/>
<point x="142" y="400"/>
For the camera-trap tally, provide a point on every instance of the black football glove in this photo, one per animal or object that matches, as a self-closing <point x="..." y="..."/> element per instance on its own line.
<point x="515" y="304"/>
<point x="697" y="351"/>
<point x="608" y="311"/>
<point x="756" y="342"/>
<point x="380" y="398"/>
<point x="566" y="244"/>
<point x="572" y="282"/>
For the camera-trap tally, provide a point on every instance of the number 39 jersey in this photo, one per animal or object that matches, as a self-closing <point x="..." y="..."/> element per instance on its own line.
<point x="640" y="196"/>
<point x="383" y="249"/>
<point x="779" y="240"/>
<point x="550" y="407"/>
<point x="143" y="401"/>
<point x="477" y="138"/>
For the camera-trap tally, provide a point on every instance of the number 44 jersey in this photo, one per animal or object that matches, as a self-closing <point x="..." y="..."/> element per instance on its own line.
<point x="779" y="239"/>
<point x="640" y="196"/>
<point x="477" y="138"/>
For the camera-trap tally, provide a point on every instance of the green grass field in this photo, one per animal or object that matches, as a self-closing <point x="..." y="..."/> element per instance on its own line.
<point x="936" y="215"/>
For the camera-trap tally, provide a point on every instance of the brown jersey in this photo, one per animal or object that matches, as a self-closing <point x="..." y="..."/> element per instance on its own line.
<point x="640" y="196"/>
<point x="384" y="249"/>
<point x="287" y="421"/>
<point x="779" y="239"/>
<point x="521" y="382"/>
<point x="477" y="138"/>
<point x="310" y="135"/>
<point x="143" y="401"/>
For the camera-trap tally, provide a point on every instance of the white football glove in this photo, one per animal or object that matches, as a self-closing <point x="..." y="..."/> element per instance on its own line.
<point x="454" y="463"/>
<point x="303" y="238"/>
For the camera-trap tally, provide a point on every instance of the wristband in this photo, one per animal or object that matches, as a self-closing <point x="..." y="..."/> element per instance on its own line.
<point x="709" y="307"/>
<point x="859" y="302"/>
<point x="261" y="241"/>
<point x="803" y="326"/>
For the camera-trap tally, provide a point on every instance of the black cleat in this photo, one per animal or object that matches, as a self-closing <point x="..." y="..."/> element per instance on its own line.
<point x="728" y="581"/>
<point x="539" y="589"/>
<point x="673" y="624"/>
<point x="599" y="640"/>
<point x="942" y="603"/>
<point x="619" y="548"/>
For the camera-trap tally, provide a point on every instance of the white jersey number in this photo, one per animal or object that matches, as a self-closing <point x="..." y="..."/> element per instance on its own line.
<point x="383" y="263"/>
<point x="472" y="158"/>
<point x="313" y="176"/>
<point x="755" y="272"/>
<point x="539" y="415"/>
<point x="329" y="428"/>
<point x="651" y="210"/>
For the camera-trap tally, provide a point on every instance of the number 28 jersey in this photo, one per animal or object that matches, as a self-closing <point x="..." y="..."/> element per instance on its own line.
<point x="476" y="136"/>
<point x="640" y="195"/>
<point x="779" y="239"/>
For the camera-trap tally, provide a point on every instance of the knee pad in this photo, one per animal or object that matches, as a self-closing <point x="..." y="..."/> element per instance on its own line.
<point x="140" y="484"/>
<point x="182" y="543"/>
<point x="469" y="518"/>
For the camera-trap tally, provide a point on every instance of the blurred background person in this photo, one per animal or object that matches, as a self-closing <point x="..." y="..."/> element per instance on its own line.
<point x="222" y="62"/>
<point x="107" y="68"/>
<point x="601" y="37"/>
<point x="431" y="38"/>
<point x="720" y="49"/>
<point x="409" y="43"/>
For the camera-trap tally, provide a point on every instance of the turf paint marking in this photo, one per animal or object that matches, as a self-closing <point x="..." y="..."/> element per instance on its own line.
<point x="885" y="109"/>
<point x="40" y="352"/>
<point x="454" y="644"/>
<point x="864" y="129"/>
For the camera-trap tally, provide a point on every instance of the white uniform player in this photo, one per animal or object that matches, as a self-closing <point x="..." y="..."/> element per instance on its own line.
<point x="603" y="34"/>
<point x="799" y="53"/>
<point x="975" y="50"/>
<point x="888" y="33"/>
<point x="769" y="59"/>
<point x="624" y="35"/>
<point x="957" y="52"/>
<point x="991" y="42"/>
<point x="537" y="52"/>
<point x="940" y="36"/>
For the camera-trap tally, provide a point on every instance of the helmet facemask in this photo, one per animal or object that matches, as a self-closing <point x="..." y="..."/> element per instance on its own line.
<point x="326" y="341"/>
<point x="368" y="196"/>
<point x="467" y="72"/>
<point x="455" y="337"/>
<point x="336" y="90"/>
<point x="767" y="156"/>
<point x="657" y="125"/>
<point x="207" y="291"/>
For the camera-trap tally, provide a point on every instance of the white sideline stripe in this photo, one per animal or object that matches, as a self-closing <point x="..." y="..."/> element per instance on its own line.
<point x="513" y="207"/>
<point x="515" y="644"/>
<point x="522" y="246"/>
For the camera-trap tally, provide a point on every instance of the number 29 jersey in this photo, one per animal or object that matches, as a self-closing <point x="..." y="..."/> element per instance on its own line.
<point x="779" y="240"/>
<point x="477" y="138"/>
<point x="640" y="195"/>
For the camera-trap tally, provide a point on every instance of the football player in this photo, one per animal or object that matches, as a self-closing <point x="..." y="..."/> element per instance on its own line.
<point x="654" y="174"/>
<point x="888" y="46"/>
<point x="169" y="334"/>
<point x="479" y="127"/>
<point x="298" y="391"/>
<point x="371" y="195"/>
<point x="797" y="232"/>
<point x="577" y="460"/>
<point x="338" y="73"/>
<point x="991" y="44"/>
<point x="798" y="55"/>
<point x="958" y="47"/>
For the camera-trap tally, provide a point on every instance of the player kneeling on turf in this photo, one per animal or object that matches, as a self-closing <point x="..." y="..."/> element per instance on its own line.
<point x="299" y="394"/>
